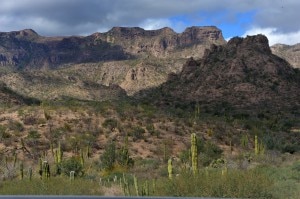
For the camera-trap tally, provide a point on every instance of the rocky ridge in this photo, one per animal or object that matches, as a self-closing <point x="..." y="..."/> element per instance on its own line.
<point x="27" y="49"/>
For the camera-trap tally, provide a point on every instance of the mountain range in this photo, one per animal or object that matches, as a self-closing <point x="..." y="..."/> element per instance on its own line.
<point x="197" y="65"/>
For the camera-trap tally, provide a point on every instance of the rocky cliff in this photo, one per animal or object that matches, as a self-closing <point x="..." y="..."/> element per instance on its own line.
<point x="28" y="49"/>
<point x="241" y="74"/>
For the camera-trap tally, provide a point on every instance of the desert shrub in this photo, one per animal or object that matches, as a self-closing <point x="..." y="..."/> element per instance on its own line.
<point x="72" y="164"/>
<point x="33" y="134"/>
<point x="15" y="126"/>
<point x="110" y="123"/>
<point x="210" y="152"/>
<point x="137" y="133"/>
<point x="3" y="133"/>
<point x="108" y="158"/>
<point x="211" y="183"/>
<point x="29" y="120"/>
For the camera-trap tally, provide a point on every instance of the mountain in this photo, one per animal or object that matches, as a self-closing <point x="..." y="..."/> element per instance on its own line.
<point x="243" y="74"/>
<point x="289" y="53"/>
<point x="27" y="49"/>
<point x="127" y="59"/>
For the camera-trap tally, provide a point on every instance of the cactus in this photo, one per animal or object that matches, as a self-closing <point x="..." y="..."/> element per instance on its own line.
<point x="46" y="170"/>
<point x="88" y="151"/>
<point x="125" y="186"/>
<point x="21" y="171"/>
<point x="30" y="173"/>
<point x="145" y="189"/>
<point x="194" y="153"/>
<point x="153" y="185"/>
<point x="170" y="169"/>
<point x="136" y="186"/>
<point x="81" y="158"/>
<point x="256" y="146"/>
<point x="40" y="168"/>
<point x="58" y="158"/>
<point x="59" y="153"/>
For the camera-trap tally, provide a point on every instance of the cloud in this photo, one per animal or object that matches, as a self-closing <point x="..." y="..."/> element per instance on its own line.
<point x="82" y="17"/>
<point x="152" y="24"/>
<point x="274" y="36"/>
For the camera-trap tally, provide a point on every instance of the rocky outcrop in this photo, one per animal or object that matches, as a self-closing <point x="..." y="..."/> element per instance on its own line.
<point x="163" y="42"/>
<point x="242" y="74"/>
<point x="289" y="53"/>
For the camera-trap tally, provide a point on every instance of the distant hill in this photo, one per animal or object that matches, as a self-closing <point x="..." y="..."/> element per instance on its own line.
<point x="291" y="53"/>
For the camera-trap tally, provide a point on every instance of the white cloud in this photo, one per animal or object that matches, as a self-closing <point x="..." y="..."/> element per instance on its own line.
<point x="274" y="36"/>
<point x="153" y="24"/>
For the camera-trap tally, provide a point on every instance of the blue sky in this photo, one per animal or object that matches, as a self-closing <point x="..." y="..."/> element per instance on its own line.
<point x="277" y="19"/>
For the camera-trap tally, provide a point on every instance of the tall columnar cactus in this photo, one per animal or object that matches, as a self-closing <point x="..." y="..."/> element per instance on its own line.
<point x="58" y="159"/>
<point x="194" y="153"/>
<point x="88" y="151"/>
<point x="136" y="186"/>
<point x="256" y="146"/>
<point x="59" y="153"/>
<point x="46" y="170"/>
<point x="153" y="185"/>
<point x="145" y="189"/>
<point x="170" y="169"/>
<point x="125" y="186"/>
<point x="30" y="173"/>
<point x="81" y="157"/>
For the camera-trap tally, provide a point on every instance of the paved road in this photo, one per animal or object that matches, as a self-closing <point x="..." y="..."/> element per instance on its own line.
<point x="91" y="197"/>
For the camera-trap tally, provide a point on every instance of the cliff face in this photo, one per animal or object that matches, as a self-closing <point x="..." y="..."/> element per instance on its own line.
<point x="243" y="74"/>
<point x="27" y="49"/>
<point x="289" y="53"/>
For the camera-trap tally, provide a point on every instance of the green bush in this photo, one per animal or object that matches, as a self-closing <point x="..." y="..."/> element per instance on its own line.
<point x="108" y="157"/>
<point x="72" y="164"/>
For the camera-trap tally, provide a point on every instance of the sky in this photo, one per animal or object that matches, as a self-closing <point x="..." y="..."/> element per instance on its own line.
<point x="277" y="19"/>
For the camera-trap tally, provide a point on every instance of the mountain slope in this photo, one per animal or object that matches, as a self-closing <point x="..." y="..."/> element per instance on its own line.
<point x="132" y="58"/>
<point x="242" y="74"/>
<point x="289" y="53"/>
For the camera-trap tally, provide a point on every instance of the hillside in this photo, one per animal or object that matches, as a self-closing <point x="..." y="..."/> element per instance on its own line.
<point x="243" y="74"/>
